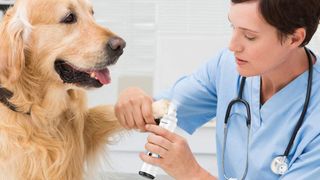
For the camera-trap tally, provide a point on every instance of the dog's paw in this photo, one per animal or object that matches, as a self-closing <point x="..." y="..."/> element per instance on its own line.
<point x="160" y="108"/>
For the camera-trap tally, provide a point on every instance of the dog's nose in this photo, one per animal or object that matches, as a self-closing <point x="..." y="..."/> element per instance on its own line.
<point x="116" y="44"/>
<point x="115" y="47"/>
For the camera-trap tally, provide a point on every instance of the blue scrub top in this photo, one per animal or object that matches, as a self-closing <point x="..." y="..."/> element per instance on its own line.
<point x="206" y="93"/>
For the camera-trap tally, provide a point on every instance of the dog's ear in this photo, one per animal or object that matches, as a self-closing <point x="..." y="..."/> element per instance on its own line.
<point x="13" y="34"/>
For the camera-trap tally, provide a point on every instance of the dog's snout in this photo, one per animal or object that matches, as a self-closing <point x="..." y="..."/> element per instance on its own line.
<point x="116" y="43"/>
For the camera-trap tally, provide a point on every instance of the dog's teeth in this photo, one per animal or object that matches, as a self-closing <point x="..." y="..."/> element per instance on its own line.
<point x="93" y="75"/>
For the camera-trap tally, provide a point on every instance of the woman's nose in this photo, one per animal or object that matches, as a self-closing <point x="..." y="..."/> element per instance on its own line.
<point x="235" y="43"/>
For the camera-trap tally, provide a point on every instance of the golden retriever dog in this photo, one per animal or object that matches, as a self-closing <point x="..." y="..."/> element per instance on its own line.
<point x="51" y="51"/>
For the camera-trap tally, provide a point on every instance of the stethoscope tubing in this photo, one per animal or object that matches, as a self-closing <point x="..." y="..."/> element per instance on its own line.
<point x="248" y="122"/>
<point x="247" y="154"/>
<point x="305" y="106"/>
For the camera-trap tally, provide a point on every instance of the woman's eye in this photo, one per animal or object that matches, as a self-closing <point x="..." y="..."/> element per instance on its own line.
<point x="250" y="38"/>
<point x="69" y="19"/>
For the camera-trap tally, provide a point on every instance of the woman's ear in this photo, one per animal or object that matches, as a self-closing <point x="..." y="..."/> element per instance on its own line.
<point x="298" y="37"/>
<point x="12" y="44"/>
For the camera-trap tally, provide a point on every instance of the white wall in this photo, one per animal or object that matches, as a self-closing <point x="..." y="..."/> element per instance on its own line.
<point x="165" y="39"/>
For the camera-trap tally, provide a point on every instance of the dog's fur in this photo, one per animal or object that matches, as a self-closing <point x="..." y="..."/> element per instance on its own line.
<point x="61" y="133"/>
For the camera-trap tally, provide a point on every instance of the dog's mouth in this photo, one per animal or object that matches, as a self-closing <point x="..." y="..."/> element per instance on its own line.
<point x="82" y="77"/>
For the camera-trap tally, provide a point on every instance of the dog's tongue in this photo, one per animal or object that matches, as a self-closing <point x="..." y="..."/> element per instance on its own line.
<point x="103" y="76"/>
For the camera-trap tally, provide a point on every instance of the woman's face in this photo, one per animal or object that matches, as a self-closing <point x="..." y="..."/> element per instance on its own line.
<point x="255" y="43"/>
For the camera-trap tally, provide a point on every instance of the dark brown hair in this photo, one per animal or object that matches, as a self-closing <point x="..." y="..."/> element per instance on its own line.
<point x="288" y="15"/>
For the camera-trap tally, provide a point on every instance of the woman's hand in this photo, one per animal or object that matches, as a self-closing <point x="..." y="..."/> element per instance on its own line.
<point x="176" y="157"/>
<point x="134" y="109"/>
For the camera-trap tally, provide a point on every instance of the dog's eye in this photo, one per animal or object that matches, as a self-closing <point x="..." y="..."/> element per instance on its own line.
<point x="69" y="19"/>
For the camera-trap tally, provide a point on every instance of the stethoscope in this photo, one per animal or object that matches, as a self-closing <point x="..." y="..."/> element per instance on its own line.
<point x="279" y="164"/>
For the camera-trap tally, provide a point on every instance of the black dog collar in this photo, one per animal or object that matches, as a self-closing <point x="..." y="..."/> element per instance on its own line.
<point x="5" y="95"/>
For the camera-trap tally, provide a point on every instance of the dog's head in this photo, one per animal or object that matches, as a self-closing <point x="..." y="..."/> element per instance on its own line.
<point x="58" y="40"/>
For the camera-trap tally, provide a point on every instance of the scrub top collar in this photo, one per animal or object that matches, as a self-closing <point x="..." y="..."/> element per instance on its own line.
<point x="259" y="112"/>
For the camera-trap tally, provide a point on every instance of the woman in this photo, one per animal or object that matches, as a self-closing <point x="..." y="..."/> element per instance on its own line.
<point x="268" y="48"/>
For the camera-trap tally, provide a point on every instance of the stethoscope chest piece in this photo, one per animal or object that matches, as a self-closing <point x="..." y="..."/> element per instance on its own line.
<point x="279" y="165"/>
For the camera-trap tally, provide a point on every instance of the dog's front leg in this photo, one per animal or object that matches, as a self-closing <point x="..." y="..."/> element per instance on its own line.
<point x="100" y="124"/>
